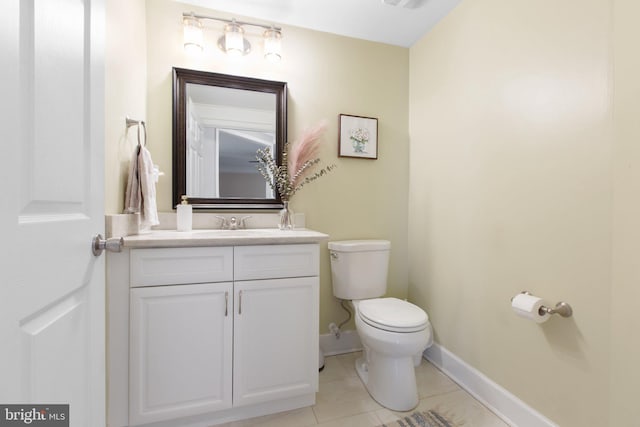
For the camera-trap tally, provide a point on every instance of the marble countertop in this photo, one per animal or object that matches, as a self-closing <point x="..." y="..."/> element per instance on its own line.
<point x="204" y="237"/>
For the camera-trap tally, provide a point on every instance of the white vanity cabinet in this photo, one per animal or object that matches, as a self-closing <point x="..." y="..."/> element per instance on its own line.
<point x="275" y="322"/>
<point x="180" y="332"/>
<point x="217" y="333"/>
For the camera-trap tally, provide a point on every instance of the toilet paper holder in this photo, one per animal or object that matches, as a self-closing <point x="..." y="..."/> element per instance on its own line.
<point x="562" y="308"/>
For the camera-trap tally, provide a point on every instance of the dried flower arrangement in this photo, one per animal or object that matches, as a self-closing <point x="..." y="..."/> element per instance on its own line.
<point x="359" y="138"/>
<point x="298" y="161"/>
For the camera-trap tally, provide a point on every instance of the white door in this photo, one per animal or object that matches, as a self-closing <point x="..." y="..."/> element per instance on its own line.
<point x="51" y="137"/>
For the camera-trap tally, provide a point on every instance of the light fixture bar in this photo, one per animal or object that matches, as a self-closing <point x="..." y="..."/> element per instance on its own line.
<point x="232" y="41"/>
<point x="230" y="21"/>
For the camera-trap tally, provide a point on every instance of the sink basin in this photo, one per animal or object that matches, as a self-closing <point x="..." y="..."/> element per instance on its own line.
<point x="239" y="232"/>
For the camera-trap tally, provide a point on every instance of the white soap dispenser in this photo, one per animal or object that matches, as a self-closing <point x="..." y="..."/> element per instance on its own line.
<point x="184" y="215"/>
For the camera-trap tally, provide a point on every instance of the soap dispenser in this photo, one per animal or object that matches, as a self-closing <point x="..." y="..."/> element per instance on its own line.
<point x="184" y="215"/>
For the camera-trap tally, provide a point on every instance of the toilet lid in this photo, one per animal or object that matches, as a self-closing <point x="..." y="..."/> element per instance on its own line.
<point x="393" y="314"/>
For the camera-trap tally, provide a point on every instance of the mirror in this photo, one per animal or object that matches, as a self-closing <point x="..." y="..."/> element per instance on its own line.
<point x="219" y="122"/>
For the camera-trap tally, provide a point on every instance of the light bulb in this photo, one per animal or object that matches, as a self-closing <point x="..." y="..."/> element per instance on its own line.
<point x="234" y="39"/>
<point x="273" y="45"/>
<point x="192" y="34"/>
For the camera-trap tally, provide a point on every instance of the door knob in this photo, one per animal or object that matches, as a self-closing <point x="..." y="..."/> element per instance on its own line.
<point x="98" y="244"/>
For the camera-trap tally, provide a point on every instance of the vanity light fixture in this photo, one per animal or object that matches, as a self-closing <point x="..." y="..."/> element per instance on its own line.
<point x="192" y="28"/>
<point x="232" y="41"/>
<point x="273" y="44"/>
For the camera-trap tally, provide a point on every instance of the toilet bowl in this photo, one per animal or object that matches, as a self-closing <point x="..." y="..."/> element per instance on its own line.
<point x="386" y="367"/>
<point x="393" y="332"/>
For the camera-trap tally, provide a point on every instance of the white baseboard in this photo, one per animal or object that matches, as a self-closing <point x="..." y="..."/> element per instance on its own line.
<point x="349" y="341"/>
<point x="505" y="405"/>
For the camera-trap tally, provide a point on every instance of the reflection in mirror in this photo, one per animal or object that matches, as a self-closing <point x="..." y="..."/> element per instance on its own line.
<point x="225" y="127"/>
<point x="219" y="123"/>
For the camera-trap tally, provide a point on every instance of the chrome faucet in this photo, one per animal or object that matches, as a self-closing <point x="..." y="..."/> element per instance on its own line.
<point x="233" y="223"/>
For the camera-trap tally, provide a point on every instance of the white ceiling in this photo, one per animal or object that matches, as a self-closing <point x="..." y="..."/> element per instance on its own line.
<point x="364" y="19"/>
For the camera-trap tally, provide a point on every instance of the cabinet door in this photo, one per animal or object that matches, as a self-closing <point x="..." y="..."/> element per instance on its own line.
<point x="275" y="339"/>
<point x="180" y="351"/>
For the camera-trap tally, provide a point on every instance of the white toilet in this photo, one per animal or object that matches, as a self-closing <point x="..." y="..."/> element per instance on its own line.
<point x="394" y="332"/>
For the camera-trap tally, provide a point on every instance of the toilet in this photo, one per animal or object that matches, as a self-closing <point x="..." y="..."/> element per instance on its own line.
<point x="393" y="332"/>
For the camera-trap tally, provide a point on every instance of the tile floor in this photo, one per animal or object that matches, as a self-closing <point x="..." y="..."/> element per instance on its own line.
<point x="342" y="401"/>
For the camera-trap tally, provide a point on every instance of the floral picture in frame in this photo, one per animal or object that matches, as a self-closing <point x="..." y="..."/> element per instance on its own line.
<point x="358" y="137"/>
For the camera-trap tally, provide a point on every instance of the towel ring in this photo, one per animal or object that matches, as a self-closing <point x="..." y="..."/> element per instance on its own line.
<point x="139" y="124"/>
<point x="144" y="128"/>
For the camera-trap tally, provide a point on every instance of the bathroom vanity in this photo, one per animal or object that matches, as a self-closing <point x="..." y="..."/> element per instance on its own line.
<point x="211" y="326"/>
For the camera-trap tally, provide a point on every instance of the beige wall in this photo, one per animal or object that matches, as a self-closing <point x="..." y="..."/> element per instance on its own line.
<point x="625" y="316"/>
<point x="525" y="174"/>
<point x="326" y="75"/>
<point x="125" y="92"/>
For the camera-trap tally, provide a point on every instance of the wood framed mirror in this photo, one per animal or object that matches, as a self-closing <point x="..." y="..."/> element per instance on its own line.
<point x="219" y="122"/>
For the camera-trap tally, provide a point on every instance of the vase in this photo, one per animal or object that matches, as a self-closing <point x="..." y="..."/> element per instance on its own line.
<point x="286" y="217"/>
<point x="358" y="145"/>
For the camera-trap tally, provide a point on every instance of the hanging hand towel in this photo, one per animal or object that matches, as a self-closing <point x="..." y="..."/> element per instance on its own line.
<point x="148" y="206"/>
<point x="133" y="197"/>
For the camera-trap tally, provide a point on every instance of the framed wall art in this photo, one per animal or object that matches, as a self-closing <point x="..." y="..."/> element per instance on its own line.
<point x="358" y="137"/>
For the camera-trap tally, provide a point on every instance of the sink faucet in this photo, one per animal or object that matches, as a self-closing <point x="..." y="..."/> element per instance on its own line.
<point x="233" y="223"/>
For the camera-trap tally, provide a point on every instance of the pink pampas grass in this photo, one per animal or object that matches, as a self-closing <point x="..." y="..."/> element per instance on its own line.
<point x="298" y="161"/>
<point x="303" y="153"/>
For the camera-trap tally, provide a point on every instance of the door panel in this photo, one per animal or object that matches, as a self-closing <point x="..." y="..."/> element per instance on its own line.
<point x="52" y="366"/>
<point x="53" y="106"/>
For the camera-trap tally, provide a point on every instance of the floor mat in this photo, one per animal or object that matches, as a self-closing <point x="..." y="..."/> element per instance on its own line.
<point x="428" y="418"/>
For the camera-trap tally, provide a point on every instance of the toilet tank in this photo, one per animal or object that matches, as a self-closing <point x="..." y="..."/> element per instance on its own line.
<point x="359" y="268"/>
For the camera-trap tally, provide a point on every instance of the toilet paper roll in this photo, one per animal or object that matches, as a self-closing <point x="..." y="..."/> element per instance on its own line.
<point x="528" y="306"/>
